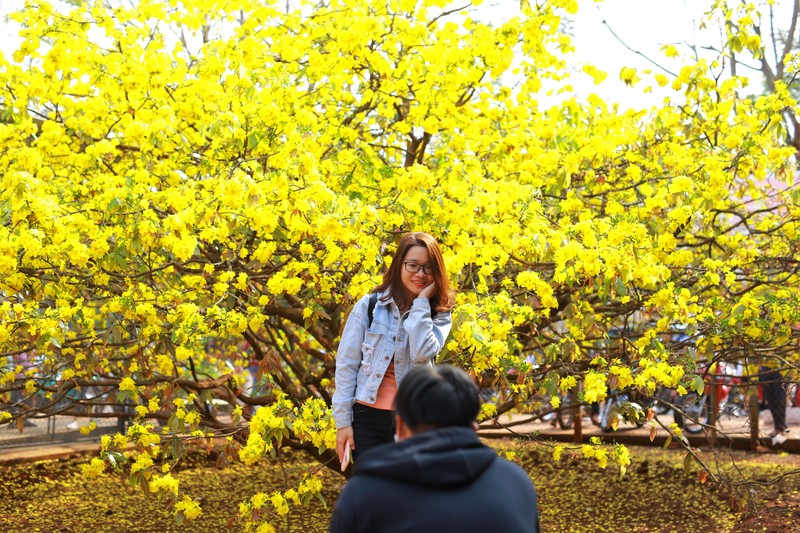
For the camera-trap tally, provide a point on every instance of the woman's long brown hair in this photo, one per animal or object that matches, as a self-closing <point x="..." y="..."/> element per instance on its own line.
<point x="444" y="297"/>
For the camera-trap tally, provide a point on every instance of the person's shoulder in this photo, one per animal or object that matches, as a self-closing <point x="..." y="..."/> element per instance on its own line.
<point x="362" y="505"/>
<point x="442" y="316"/>
<point x="350" y="495"/>
<point x="502" y="462"/>
<point x="511" y="470"/>
<point x="360" y="488"/>
<point x="362" y="303"/>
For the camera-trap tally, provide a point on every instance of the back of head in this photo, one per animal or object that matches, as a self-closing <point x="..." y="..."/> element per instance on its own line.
<point x="434" y="397"/>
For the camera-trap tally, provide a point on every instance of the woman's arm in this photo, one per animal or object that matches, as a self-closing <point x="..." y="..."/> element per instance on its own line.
<point x="426" y="335"/>
<point x="348" y="359"/>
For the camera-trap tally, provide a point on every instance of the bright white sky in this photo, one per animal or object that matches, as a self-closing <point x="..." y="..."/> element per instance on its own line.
<point x="8" y="39"/>
<point x="643" y="25"/>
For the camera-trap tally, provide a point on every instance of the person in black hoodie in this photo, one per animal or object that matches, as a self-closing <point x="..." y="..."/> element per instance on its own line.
<point x="439" y="477"/>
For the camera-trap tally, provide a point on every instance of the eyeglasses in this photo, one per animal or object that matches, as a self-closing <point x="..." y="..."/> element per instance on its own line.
<point x="416" y="267"/>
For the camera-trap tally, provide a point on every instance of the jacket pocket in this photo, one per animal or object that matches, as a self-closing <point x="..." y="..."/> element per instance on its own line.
<point x="369" y="350"/>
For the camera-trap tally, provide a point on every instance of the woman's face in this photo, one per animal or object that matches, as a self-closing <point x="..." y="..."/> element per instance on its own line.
<point x="414" y="282"/>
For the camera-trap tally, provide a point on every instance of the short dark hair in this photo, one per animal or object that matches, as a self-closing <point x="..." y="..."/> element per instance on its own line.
<point x="433" y="397"/>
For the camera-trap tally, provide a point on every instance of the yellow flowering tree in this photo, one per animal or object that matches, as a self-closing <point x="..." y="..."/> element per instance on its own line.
<point x="193" y="187"/>
<point x="763" y="36"/>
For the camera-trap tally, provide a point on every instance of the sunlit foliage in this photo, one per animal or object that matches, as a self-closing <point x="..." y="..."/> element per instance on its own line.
<point x="191" y="186"/>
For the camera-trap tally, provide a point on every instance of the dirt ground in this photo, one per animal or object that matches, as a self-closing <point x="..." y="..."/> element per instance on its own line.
<point x="778" y="507"/>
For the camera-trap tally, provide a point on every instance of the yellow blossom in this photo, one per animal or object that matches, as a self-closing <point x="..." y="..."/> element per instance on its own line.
<point x="94" y="468"/>
<point x="190" y="508"/>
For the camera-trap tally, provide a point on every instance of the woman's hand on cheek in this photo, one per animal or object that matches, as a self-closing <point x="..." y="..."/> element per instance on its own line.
<point x="428" y="291"/>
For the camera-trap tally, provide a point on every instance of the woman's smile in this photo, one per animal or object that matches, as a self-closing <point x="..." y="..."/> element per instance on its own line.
<point x="414" y="282"/>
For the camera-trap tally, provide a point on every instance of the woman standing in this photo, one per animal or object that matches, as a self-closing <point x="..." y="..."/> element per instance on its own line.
<point x="405" y="325"/>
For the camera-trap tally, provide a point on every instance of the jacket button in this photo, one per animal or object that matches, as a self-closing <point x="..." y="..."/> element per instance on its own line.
<point x="386" y="358"/>
<point x="394" y="338"/>
<point x="377" y="375"/>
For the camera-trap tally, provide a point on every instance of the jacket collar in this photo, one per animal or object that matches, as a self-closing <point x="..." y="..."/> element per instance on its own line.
<point x="384" y="294"/>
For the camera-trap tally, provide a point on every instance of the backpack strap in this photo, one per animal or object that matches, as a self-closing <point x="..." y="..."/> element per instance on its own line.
<point x="373" y="300"/>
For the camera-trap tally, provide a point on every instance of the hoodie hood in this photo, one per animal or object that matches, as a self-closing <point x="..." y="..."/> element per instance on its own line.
<point x="438" y="458"/>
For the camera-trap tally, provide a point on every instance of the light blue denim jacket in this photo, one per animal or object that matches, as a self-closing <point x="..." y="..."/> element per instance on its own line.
<point x="364" y="354"/>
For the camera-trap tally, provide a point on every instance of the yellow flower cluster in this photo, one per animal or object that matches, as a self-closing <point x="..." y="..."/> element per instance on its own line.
<point x="143" y="462"/>
<point x="164" y="484"/>
<point x="253" y="509"/>
<point x="88" y="428"/>
<point x="313" y="423"/>
<point x="654" y="373"/>
<point x="594" y="387"/>
<point x="189" y="508"/>
<point x="143" y="435"/>
<point x="309" y="422"/>
<point x="94" y="468"/>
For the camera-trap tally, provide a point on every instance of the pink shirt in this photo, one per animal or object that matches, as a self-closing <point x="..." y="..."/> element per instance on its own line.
<point x="386" y="390"/>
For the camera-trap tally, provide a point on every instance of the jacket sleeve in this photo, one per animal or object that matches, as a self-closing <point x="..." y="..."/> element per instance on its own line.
<point x="426" y="336"/>
<point x="348" y="359"/>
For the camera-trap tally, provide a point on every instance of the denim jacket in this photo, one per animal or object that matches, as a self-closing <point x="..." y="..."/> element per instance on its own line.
<point x="364" y="354"/>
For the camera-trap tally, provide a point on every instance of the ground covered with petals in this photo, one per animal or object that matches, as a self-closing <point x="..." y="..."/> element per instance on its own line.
<point x="657" y="493"/>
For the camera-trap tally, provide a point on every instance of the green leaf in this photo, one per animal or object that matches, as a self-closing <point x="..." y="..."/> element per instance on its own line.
<point x="116" y="459"/>
<point x="355" y="195"/>
<point x="424" y="207"/>
<point x="687" y="463"/>
<point x="698" y="385"/>
<point x="253" y="139"/>
<point x="347" y="181"/>
<point x="206" y="396"/>
<point x="177" y="425"/>
<point x="320" y="498"/>
<point x="176" y="446"/>
<point x="279" y="235"/>
<point x="386" y="172"/>
<point x="620" y="287"/>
